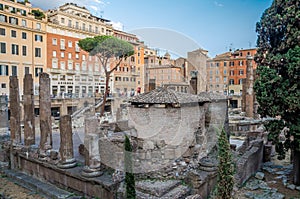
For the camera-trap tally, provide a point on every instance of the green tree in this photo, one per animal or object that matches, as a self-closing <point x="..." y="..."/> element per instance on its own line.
<point x="129" y="176"/>
<point x="225" y="180"/>
<point x="111" y="51"/>
<point x="278" y="84"/>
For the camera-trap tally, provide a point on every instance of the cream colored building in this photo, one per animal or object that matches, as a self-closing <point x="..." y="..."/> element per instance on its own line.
<point x="23" y="43"/>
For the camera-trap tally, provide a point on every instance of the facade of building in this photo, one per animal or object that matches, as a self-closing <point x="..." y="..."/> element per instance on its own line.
<point x="225" y="74"/>
<point x="162" y="72"/>
<point x="197" y="68"/>
<point x="217" y="73"/>
<point x="73" y="72"/>
<point x="23" y="43"/>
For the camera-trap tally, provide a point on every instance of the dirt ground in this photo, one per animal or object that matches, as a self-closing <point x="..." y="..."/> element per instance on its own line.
<point x="9" y="189"/>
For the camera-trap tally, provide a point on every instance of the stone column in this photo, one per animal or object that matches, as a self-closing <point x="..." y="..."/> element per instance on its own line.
<point x="45" y="114"/>
<point x="249" y="91"/>
<point x="29" y="120"/>
<point x="14" y="98"/>
<point x="66" y="150"/>
<point x="92" y="151"/>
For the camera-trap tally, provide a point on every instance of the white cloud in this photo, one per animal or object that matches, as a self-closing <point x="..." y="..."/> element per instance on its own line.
<point x="218" y="4"/>
<point x="94" y="8"/>
<point x="117" y="25"/>
<point x="100" y="2"/>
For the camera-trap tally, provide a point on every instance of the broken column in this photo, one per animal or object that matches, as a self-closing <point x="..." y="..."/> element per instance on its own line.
<point x="29" y="120"/>
<point x="66" y="150"/>
<point x="248" y="89"/>
<point x="14" y="98"/>
<point x="45" y="114"/>
<point x="92" y="153"/>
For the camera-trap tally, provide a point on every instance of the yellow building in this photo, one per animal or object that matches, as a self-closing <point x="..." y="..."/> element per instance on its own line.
<point x="22" y="41"/>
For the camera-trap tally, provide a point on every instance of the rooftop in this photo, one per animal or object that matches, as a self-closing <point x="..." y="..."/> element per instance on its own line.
<point x="164" y="95"/>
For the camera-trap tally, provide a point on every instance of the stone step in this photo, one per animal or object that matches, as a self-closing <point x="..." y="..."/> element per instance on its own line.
<point x="156" y="188"/>
<point x="31" y="183"/>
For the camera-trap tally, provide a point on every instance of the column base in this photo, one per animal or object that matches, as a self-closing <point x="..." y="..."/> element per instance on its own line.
<point x="70" y="163"/>
<point x="91" y="173"/>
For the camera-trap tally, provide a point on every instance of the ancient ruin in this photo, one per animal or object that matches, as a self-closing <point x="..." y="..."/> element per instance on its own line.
<point x="173" y="136"/>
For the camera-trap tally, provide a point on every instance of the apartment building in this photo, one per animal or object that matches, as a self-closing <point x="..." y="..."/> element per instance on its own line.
<point x="237" y="72"/>
<point x="23" y="43"/>
<point x="225" y="74"/>
<point x="73" y="72"/>
<point x="217" y="73"/>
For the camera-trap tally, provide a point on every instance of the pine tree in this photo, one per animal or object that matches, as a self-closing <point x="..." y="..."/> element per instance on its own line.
<point x="129" y="176"/>
<point x="225" y="168"/>
<point x="278" y="84"/>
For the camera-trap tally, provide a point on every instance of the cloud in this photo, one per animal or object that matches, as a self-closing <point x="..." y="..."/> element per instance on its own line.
<point x="117" y="25"/>
<point x="218" y="4"/>
<point x="94" y="8"/>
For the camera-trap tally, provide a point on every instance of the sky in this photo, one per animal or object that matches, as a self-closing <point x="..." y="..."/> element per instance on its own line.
<point x="179" y="26"/>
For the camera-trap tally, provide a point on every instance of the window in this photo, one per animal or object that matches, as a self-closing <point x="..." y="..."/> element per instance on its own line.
<point x="24" y="23"/>
<point x="70" y="65"/>
<point x="3" y="18"/>
<point x="248" y="53"/>
<point x="240" y="81"/>
<point x="54" y="41"/>
<point x="62" y="44"/>
<point x="2" y="47"/>
<point x="231" y="63"/>
<point x="3" y="85"/>
<point x="241" y="72"/>
<point x="77" y="56"/>
<point x="24" y="50"/>
<point x="217" y="79"/>
<point x="232" y="72"/>
<point x="62" y="20"/>
<point x="38" y="26"/>
<point x="26" y="70"/>
<point x="3" y="70"/>
<point x="217" y="72"/>
<point x="225" y="79"/>
<point x="54" y="53"/>
<point x="2" y="31"/>
<point x="225" y="72"/>
<point x="70" y="23"/>
<point x="15" y="49"/>
<point x="70" y="44"/>
<point x="38" y="71"/>
<point x="70" y="55"/>
<point x="83" y="57"/>
<point x="225" y="63"/>
<point x="83" y="26"/>
<point x="231" y="81"/>
<point x="14" y="71"/>
<point x="241" y="63"/>
<point x="96" y="29"/>
<point x="76" y="24"/>
<point x="217" y="64"/>
<point x="13" y="33"/>
<point x="90" y="28"/>
<point x="62" y="54"/>
<point x="38" y="52"/>
<point x="77" y="47"/>
<point x="38" y="38"/>
<point x="24" y="35"/>
<point x="62" y="65"/>
<point x="54" y="63"/>
<point x="77" y="66"/>
<point x="13" y="20"/>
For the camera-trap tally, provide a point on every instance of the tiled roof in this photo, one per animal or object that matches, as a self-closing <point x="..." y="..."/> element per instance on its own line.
<point x="166" y="96"/>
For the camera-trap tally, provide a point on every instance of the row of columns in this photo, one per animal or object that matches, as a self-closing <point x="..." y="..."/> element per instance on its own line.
<point x="66" y="150"/>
